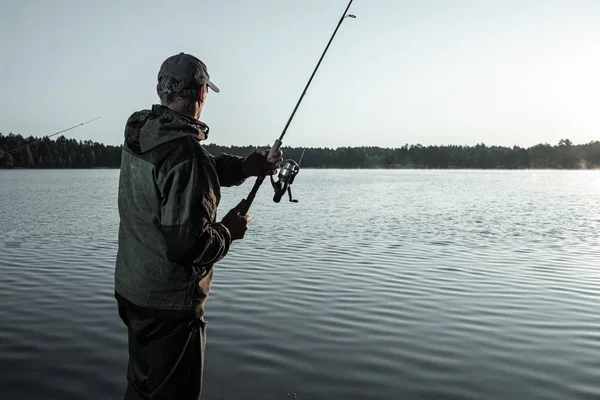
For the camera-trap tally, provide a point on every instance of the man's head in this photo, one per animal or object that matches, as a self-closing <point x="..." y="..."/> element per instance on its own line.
<point x="183" y="83"/>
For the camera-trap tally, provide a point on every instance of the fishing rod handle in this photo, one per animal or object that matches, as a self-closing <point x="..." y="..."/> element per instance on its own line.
<point x="259" y="180"/>
<point x="250" y="198"/>
<point x="274" y="149"/>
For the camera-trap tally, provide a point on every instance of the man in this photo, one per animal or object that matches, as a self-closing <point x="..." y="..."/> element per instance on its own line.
<point x="169" y="237"/>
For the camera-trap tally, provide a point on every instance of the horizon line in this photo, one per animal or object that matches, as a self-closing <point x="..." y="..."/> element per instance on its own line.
<point x="481" y="143"/>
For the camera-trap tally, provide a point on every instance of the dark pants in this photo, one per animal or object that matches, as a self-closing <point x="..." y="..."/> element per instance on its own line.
<point x="166" y="357"/>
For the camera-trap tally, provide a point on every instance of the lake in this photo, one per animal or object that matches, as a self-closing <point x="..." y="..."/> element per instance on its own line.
<point x="378" y="284"/>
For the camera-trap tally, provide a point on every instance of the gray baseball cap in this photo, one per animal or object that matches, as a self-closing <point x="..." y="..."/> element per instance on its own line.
<point x="187" y="69"/>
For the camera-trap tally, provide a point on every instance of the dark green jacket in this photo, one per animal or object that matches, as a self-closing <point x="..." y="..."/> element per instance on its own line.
<point x="169" y="191"/>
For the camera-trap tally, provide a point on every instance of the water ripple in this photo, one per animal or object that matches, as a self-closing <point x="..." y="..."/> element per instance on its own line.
<point x="429" y="284"/>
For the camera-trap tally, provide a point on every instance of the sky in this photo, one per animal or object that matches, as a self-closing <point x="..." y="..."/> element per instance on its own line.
<point x="434" y="72"/>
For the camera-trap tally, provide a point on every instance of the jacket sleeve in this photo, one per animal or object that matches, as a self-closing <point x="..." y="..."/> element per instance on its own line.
<point x="229" y="169"/>
<point x="188" y="212"/>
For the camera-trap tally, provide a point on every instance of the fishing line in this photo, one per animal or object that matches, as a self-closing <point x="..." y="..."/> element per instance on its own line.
<point x="39" y="140"/>
<point x="290" y="168"/>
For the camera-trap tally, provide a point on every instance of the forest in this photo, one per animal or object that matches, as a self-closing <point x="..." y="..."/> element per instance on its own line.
<point x="70" y="153"/>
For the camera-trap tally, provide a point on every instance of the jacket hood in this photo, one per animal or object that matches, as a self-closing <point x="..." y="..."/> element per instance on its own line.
<point x="147" y="129"/>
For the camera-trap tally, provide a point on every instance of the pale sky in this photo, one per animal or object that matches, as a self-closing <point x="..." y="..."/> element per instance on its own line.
<point x="423" y="71"/>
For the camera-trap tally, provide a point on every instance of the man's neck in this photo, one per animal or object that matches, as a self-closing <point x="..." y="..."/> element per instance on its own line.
<point x="190" y="111"/>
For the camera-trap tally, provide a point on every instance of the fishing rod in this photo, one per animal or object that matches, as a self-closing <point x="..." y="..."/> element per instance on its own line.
<point x="39" y="140"/>
<point x="292" y="166"/>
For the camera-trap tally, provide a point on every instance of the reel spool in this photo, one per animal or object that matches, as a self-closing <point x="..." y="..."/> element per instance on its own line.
<point x="286" y="176"/>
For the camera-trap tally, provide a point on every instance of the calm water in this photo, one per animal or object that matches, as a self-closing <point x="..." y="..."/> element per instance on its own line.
<point x="376" y="285"/>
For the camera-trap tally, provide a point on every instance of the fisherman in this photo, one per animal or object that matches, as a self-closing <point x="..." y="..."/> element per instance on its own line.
<point x="169" y="237"/>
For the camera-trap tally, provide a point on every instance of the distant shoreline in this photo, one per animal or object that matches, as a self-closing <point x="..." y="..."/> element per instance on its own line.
<point x="63" y="153"/>
<point x="340" y="169"/>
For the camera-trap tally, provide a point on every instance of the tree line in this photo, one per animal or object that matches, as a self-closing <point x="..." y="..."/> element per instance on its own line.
<point x="59" y="153"/>
<point x="69" y="153"/>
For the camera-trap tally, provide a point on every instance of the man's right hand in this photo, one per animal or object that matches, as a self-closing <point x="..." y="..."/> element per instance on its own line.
<point x="235" y="222"/>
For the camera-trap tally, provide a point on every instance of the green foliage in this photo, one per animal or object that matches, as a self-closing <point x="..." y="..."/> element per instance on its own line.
<point x="565" y="155"/>
<point x="59" y="153"/>
<point x="69" y="153"/>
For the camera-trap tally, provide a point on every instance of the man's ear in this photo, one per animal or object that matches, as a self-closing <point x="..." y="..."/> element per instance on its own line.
<point x="202" y="93"/>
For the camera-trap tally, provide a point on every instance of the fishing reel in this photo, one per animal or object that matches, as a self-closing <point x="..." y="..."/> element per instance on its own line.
<point x="286" y="176"/>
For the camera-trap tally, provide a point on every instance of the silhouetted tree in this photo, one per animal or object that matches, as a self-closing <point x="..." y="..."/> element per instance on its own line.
<point x="59" y="153"/>
<point x="69" y="153"/>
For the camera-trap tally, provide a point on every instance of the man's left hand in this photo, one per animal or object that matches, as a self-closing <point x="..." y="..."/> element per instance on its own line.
<point x="256" y="164"/>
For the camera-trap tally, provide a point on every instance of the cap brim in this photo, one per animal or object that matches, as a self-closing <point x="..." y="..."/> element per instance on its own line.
<point x="213" y="86"/>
